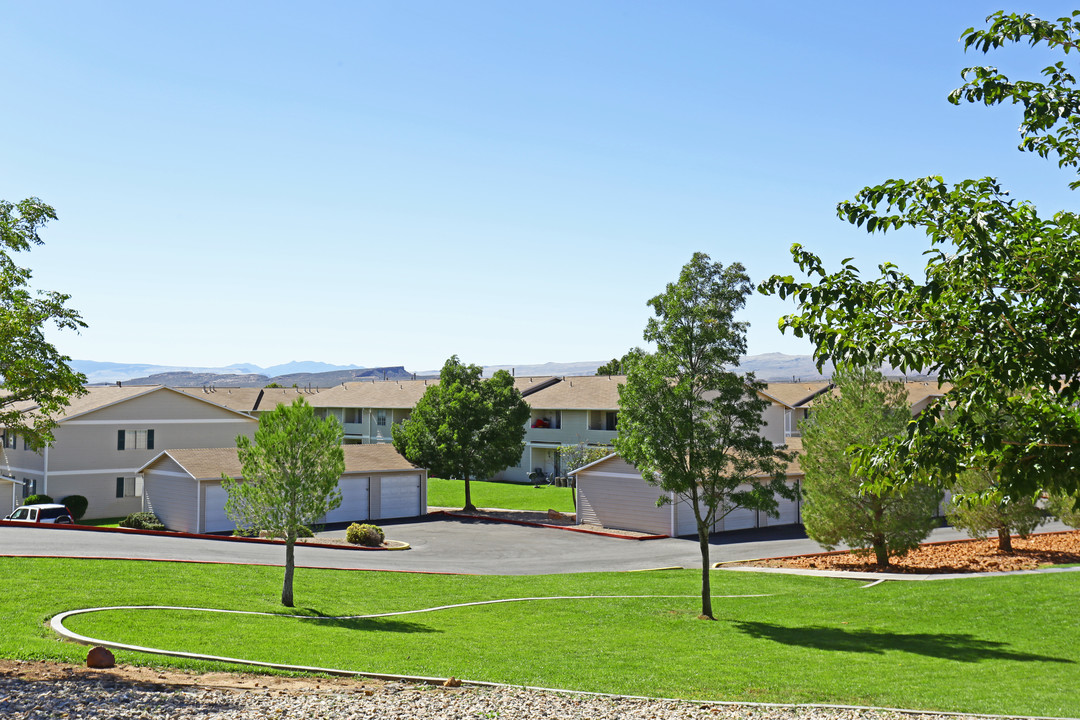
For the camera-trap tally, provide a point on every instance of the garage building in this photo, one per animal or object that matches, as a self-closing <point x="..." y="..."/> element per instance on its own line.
<point x="183" y="487"/>
<point x="612" y="493"/>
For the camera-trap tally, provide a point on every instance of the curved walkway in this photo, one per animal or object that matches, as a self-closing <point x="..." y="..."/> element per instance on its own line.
<point x="57" y="624"/>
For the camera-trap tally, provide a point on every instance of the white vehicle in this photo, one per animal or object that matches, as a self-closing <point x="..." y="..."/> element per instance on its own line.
<point x="41" y="514"/>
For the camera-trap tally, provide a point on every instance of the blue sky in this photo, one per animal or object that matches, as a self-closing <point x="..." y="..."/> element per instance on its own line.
<point x="392" y="183"/>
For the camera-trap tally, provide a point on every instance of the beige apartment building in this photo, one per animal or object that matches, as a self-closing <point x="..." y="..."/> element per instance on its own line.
<point x="105" y="436"/>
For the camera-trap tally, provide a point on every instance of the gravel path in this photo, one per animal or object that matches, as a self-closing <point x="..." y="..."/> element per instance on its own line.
<point x="106" y="698"/>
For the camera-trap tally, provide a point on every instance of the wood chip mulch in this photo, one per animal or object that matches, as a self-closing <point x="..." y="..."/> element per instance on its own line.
<point x="962" y="556"/>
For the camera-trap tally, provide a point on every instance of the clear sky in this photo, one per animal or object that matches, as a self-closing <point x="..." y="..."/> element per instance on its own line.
<point x="386" y="183"/>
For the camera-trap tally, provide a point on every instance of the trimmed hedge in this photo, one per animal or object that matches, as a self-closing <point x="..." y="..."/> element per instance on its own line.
<point x="77" y="504"/>
<point x="142" y="521"/>
<point x="38" y="500"/>
<point x="366" y="535"/>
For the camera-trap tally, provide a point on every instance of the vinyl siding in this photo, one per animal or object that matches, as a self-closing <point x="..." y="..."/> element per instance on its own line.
<point x="171" y="498"/>
<point x="621" y="499"/>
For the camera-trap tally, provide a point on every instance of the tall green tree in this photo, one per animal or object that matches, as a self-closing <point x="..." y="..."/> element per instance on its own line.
<point x="995" y="311"/>
<point x="33" y="372"/>
<point x="464" y="426"/>
<point x="290" y="474"/>
<point x="686" y="420"/>
<point x="841" y="507"/>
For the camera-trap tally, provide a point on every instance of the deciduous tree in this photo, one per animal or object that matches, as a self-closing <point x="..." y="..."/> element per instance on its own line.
<point x="840" y="507"/>
<point x="290" y="474"/>
<point x="33" y="372"/>
<point x="995" y="313"/>
<point x="465" y="427"/>
<point x="686" y="420"/>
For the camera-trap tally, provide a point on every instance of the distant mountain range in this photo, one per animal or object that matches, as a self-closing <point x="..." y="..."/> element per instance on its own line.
<point x="773" y="367"/>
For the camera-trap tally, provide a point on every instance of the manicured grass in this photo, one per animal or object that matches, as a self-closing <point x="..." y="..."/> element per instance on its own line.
<point x="1008" y="645"/>
<point x="451" y="493"/>
<point x="102" y="522"/>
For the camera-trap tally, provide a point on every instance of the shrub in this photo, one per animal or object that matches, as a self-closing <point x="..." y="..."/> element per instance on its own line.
<point x="366" y="535"/>
<point x="142" y="521"/>
<point x="77" y="504"/>
<point x="38" y="500"/>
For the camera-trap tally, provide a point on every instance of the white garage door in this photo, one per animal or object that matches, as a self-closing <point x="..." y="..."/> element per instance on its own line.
<point x="214" y="517"/>
<point x="400" y="496"/>
<point x="354" y="501"/>
<point x="740" y="519"/>
<point x="789" y="512"/>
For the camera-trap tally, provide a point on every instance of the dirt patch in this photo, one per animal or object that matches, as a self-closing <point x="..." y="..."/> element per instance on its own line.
<point x="961" y="556"/>
<point x="150" y="677"/>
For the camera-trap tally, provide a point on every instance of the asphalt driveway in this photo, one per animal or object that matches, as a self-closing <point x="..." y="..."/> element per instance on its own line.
<point x="439" y="544"/>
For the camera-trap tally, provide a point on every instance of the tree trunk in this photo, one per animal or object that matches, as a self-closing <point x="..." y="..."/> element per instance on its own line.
<point x="286" y="588"/>
<point x="706" y="588"/>
<point x="1005" y="539"/>
<point x="877" y="539"/>
<point x="468" y="496"/>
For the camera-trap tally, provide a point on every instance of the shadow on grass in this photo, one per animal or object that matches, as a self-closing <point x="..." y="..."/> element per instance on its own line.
<point x="367" y="624"/>
<point x="948" y="646"/>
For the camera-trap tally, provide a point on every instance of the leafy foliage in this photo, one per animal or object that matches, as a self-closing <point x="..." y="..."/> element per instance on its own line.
<point x="1065" y="508"/>
<point x="365" y="534"/>
<point x="614" y="367"/>
<point x="839" y="507"/>
<point x="142" y="521"/>
<point x="38" y="500"/>
<point x="290" y="477"/>
<point x="688" y="423"/>
<point x="980" y="507"/>
<point x="77" y="504"/>
<point x="465" y="427"/>
<point x="572" y="457"/>
<point x="996" y="312"/>
<point x="34" y="374"/>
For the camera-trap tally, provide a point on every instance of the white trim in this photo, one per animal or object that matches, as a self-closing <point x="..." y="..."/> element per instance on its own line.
<point x="141" y="422"/>
<point x="199" y="524"/>
<point x="170" y="473"/>
<point x="32" y="471"/>
<point x="635" y="476"/>
<point x="98" y="471"/>
<point x="45" y="471"/>
<point x="11" y="479"/>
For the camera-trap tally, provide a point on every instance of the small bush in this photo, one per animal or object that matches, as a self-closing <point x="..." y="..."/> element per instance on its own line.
<point x="366" y="535"/>
<point x="142" y="521"/>
<point x="304" y="532"/>
<point x="77" y="504"/>
<point x="38" y="500"/>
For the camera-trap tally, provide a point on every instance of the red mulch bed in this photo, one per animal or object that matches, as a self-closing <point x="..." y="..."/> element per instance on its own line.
<point x="962" y="556"/>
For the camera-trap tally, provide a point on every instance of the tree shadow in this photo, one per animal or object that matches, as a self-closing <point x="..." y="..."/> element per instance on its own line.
<point x="383" y="624"/>
<point x="947" y="646"/>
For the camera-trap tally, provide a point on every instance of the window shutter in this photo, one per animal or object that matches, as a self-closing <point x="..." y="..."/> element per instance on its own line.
<point x="119" y="441"/>
<point x="150" y="439"/>
<point x="120" y="486"/>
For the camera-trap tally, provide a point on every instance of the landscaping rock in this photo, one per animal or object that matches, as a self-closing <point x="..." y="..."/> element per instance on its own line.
<point x="100" y="658"/>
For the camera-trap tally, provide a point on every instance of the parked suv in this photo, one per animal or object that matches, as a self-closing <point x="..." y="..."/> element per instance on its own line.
<point x="41" y="514"/>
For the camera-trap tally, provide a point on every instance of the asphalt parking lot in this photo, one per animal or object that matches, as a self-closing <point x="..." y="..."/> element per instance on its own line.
<point x="438" y="544"/>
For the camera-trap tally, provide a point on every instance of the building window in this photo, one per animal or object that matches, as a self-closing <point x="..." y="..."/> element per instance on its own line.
<point x="10" y="439"/>
<point x="134" y="439"/>
<point x="128" y="487"/>
<point x="611" y="421"/>
<point x="29" y="487"/>
<point x="380" y="417"/>
<point x="354" y="415"/>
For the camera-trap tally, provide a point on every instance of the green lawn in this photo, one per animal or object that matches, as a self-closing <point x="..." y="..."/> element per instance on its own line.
<point x="451" y="493"/>
<point x="102" y="522"/>
<point x="993" y="645"/>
